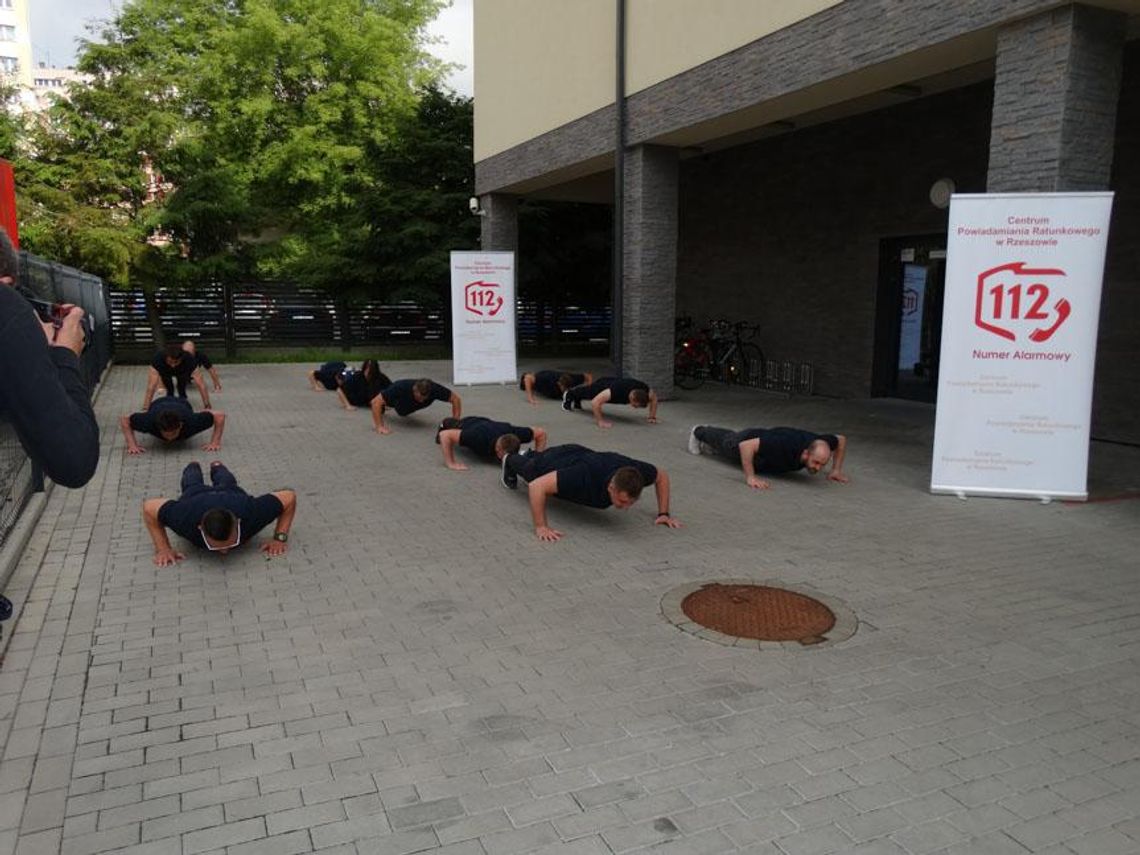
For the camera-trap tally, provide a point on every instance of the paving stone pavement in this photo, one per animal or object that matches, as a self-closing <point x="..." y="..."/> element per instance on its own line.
<point x="420" y="673"/>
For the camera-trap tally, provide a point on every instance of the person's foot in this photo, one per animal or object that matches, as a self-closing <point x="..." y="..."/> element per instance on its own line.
<point x="694" y="443"/>
<point x="510" y="479"/>
<point x="566" y="400"/>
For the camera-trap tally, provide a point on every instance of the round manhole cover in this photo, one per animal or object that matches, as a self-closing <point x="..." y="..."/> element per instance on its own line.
<point x="760" y="612"/>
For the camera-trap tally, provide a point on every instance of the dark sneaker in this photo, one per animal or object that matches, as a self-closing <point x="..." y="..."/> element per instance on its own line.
<point x="510" y="480"/>
<point x="566" y="400"/>
<point x="694" y="443"/>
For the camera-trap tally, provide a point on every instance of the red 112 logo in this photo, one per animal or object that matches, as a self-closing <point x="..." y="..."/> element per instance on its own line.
<point x="1014" y="297"/>
<point x="482" y="298"/>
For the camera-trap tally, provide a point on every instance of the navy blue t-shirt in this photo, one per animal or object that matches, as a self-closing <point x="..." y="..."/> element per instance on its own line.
<point x="183" y="515"/>
<point x="192" y="422"/>
<point x="619" y="387"/>
<point x="781" y="448"/>
<point x="399" y="397"/>
<point x="583" y="474"/>
<point x="480" y="434"/>
<point x="546" y="383"/>
<point x="326" y="375"/>
<point x="203" y="360"/>
<point x="186" y="366"/>
<point x="357" y="389"/>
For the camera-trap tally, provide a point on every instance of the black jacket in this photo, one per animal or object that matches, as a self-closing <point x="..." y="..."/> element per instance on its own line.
<point x="43" y="395"/>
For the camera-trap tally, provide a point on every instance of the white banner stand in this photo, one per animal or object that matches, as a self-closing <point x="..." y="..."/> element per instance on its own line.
<point x="483" y="317"/>
<point x="1019" y="327"/>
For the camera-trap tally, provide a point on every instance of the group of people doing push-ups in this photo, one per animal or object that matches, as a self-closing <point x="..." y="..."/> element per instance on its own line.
<point x="221" y="516"/>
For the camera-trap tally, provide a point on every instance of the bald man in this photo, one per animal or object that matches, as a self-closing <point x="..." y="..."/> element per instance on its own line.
<point x="772" y="451"/>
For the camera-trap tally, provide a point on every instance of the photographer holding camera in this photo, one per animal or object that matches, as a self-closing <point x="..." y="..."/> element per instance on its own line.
<point x="42" y="392"/>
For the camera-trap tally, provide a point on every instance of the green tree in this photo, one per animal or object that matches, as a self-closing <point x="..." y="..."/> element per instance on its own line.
<point x="259" y="114"/>
<point x="417" y="212"/>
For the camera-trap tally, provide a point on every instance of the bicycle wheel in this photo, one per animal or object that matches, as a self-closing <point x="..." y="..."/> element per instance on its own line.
<point x="753" y="358"/>
<point x="688" y="373"/>
<point x="735" y="367"/>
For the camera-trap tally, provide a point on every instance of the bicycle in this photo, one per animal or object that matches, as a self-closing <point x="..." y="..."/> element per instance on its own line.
<point x="736" y="359"/>
<point x="692" y="357"/>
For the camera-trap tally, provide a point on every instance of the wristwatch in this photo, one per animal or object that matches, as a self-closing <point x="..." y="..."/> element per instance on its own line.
<point x="281" y="536"/>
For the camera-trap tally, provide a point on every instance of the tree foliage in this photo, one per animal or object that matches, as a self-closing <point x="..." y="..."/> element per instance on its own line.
<point x="421" y="214"/>
<point x="279" y="134"/>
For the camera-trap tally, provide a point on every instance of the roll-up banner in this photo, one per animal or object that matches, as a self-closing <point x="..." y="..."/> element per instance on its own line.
<point x="1019" y="328"/>
<point x="483" y="317"/>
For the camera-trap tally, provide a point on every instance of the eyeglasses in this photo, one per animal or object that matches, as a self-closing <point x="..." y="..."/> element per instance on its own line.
<point x="213" y="548"/>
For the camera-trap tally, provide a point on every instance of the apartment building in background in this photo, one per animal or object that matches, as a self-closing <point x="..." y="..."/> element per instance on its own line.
<point x="788" y="163"/>
<point x="15" y="44"/>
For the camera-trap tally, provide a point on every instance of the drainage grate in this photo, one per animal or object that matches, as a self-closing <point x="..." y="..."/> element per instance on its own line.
<point x="743" y="612"/>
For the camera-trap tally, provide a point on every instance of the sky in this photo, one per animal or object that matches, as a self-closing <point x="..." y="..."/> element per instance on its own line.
<point x="57" y="25"/>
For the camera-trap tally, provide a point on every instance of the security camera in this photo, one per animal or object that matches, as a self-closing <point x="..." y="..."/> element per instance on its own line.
<point x="473" y="204"/>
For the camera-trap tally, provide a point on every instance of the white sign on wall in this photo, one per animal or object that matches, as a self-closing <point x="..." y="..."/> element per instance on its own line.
<point x="1019" y="326"/>
<point x="483" y="317"/>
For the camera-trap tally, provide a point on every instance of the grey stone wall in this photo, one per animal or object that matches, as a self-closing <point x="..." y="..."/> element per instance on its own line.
<point x="1116" y="392"/>
<point x="650" y="265"/>
<point x="499" y="230"/>
<point x="786" y="232"/>
<point x="1055" y="99"/>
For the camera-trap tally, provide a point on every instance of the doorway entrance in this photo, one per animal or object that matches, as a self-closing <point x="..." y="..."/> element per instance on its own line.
<point x="908" y="318"/>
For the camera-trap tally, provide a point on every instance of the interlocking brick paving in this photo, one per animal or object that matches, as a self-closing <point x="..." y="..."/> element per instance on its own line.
<point x="420" y="673"/>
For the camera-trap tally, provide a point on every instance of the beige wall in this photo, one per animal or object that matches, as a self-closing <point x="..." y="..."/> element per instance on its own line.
<point x="542" y="63"/>
<point x="21" y="47"/>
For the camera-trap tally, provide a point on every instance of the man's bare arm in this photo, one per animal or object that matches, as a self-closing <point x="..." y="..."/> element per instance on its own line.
<point x="528" y="385"/>
<point x="539" y="438"/>
<point x="748" y="450"/>
<point x="448" y="439"/>
<point x="215" y="443"/>
<point x="456" y="406"/>
<point x="664" y="517"/>
<point x="133" y="446"/>
<point x="288" y="500"/>
<point x="378" y="415"/>
<point x="837" y="473"/>
<point x="539" y="490"/>
<point x="652" y="407"/>
<point x="214" y="377"/>
<point x="164" y="553"/>
<point x="196" y="377"/>
<point x="596" y="405"/>
<point x="152" y="381"/>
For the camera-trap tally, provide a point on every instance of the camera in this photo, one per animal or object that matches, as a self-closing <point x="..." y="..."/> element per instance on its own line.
<point x="54" y="313"/>
<point x="473" y="204"/>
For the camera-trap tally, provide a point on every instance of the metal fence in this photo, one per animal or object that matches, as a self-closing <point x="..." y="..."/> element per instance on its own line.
<point x="53" y="283"/>
<point x="275" y="315"/>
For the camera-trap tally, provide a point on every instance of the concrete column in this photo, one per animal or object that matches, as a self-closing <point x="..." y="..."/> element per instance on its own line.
<point x="500" y="227"/>
<point x="650" y="265"/>
<point x="1055" y="97"/>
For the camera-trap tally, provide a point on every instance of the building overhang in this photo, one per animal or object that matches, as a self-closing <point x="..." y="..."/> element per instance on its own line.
<point x="774" y="86"/>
